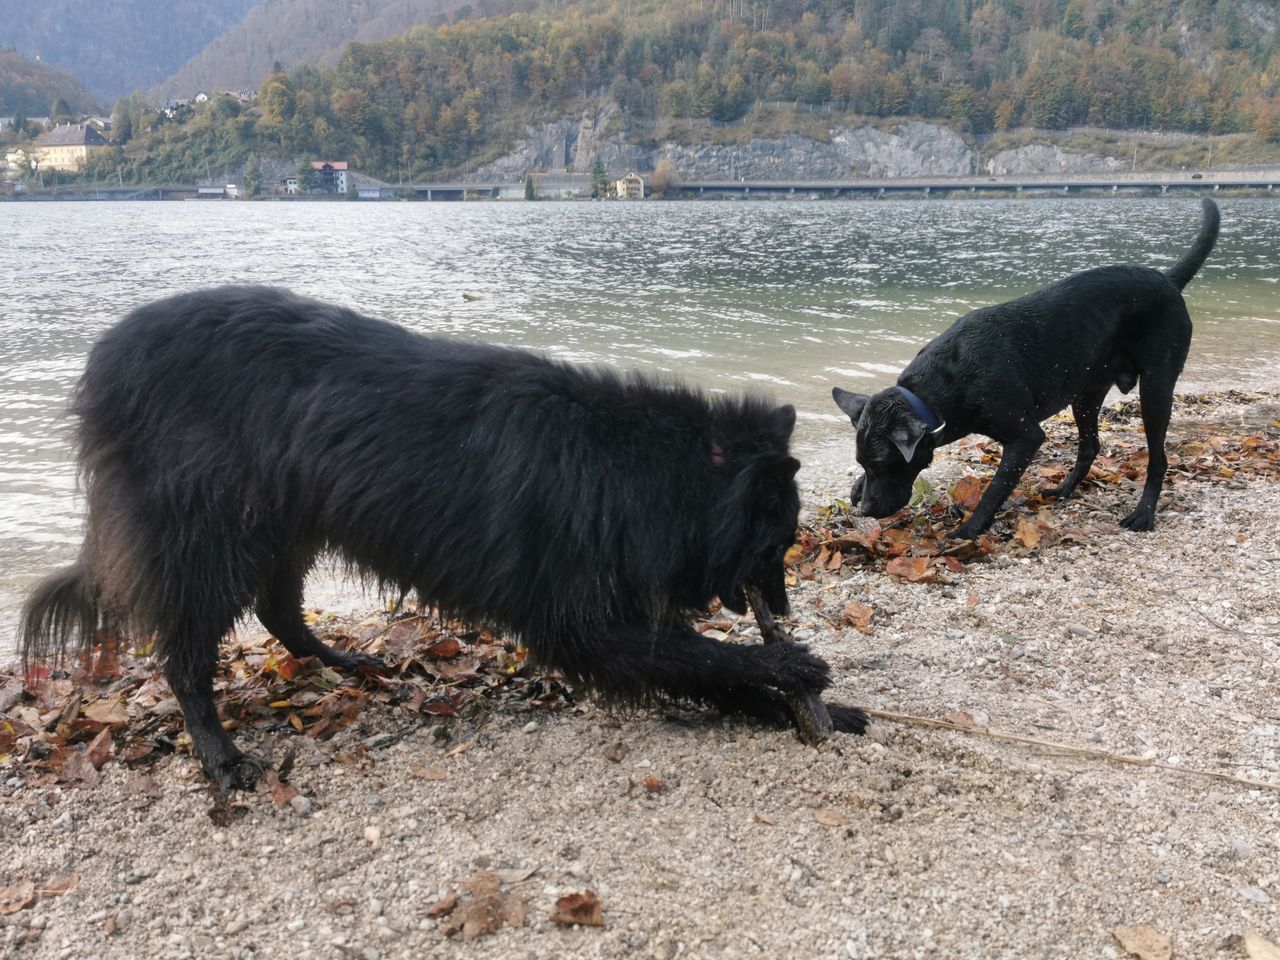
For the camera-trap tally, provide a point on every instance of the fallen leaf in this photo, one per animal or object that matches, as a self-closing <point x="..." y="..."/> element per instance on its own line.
<point x="281" y="792"/>
<point x="17" y="897"/>
<point x="1258" y="947"/>
<point x="444" y="906"/>
<point x="483" y="883"/>
<point x="475" y="918"/>
<point x="101" y="748"/>
<point x="57" y="888"/>
<point x="829" y="818"/>
<point x="111" y="712"/>
<point x="1144" y="942"/>
<point x="79" y="769"/>
<point x="655" y="785"/>
<point x="960" y="719"/>
<point x="581" y="908"/>
<point x="966" y="493"/>
<point x="912" y="569"/>
<point x="1027" y="533"/>
<point x="858" y="615"/>
<point x="443" y="649"/>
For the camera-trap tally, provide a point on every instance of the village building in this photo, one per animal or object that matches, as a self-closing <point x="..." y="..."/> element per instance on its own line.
<point x="630" y="187"/>
<point x="333" y="175"/>
<point x="67" y="147"/>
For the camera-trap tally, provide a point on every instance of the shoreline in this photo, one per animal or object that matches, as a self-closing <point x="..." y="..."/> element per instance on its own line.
<point x="713" y="838"/>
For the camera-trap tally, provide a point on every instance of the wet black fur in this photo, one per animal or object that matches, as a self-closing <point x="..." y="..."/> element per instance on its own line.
<point x="1002" y="370"/>
<point x="229" y="437"/>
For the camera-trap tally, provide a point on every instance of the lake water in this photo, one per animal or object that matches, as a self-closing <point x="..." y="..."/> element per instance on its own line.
<point x="791" y="297"/>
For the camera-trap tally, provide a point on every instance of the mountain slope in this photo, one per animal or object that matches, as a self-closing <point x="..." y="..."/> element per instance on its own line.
<point x="29" y="88"/>
<point x="295" y="32"/>
<point x="118" y="46"/>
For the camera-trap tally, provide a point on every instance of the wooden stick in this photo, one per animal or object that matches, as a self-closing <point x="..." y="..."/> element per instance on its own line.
<point x="1068" y="748"/>
<point x="812" y="719"/>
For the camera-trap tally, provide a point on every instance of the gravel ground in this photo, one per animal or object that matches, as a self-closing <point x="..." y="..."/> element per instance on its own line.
<point x="709" y="838"/>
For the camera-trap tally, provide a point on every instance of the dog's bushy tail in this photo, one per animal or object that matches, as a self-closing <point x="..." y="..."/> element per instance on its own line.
<point x="1182" y="271"/>
<point x="61" y="610"/>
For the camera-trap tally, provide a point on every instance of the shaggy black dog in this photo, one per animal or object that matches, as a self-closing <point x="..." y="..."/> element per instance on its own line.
<point x="1002" y="370"/>
<point x="229" y="437"/>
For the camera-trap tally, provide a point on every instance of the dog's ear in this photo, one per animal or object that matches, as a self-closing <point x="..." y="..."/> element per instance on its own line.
<point x="851" y="403"/>
<point x="783" y="421"/>
<point x="906" y="436"/>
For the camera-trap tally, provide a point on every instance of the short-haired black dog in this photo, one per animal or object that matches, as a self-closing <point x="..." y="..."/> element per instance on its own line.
<point x="228" y="437"/>
<point x="1001" y="370"/>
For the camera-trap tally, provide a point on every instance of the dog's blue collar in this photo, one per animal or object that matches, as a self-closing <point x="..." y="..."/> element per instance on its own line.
<point x="931" y="420"/>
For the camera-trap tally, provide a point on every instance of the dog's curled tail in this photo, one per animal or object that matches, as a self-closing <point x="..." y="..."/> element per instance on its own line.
<point x="1182" y="271"/>
<point x="61" y="610"/>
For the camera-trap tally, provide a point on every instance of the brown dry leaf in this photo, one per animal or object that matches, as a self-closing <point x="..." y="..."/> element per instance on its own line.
<point x="858" y="615"/>
<point x="101" y="748"/>
<point x="281" y="792"/>
<point x="57" y="888"/>
<point x="514" y="910"/>
<point x="829" y="818"/>
<point x="912" y="569"/>
<point x="1144" y="942"/>
<point x="1258" y="947"/>
<point x="967" y="492"/>
<point x="835" y="560"/>
<point x="475" y="918"/>
<point x="581" y="908"/>
<point x="444" y="906"/>
<point x="79" y="769"/>
<point x="483" y="883"/>
<point x="111" y="712"/>
<point x="443" y="649"/>
<point x="655" y="785"/>
<point x="960" y="719"/>
<point x="17" y="897"/>
<point x="1027" y="533"/>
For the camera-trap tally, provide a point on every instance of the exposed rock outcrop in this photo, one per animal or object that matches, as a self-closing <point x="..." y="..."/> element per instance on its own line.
<point x="912" y="148"/>
<point x="1047" y="158"/>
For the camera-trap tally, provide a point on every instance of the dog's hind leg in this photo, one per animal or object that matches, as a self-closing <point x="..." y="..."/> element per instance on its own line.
<point x="1014" y="459"/>
<point x="192" y="651"/>
<point x="279" y="609"/>
<point x="1156" y="393"/>
<point x="1085" y="408"/>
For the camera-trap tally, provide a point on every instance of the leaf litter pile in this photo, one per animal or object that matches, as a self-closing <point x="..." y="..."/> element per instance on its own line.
<point x="912" y="545"/>
<point x="64" y="725"/>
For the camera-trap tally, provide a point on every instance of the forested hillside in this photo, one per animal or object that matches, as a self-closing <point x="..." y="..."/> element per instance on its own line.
<point x="117" y="46"/>
<point x="295" y="32"/>
<point x="30" y="88"/>
<point x="443" y="98"/>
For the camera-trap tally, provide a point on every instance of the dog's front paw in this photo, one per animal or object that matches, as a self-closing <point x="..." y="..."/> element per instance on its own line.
<point x="1141" y="520"/>
<point x="847" y="719"/>
<point x="794" y="669"/>
<point x="239" y="772"/>
<point x="964" y="532"/>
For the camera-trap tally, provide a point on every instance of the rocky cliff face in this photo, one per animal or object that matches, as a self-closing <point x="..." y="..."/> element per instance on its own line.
<point x="1047" y="158"/>
<point x="911" y="149"/>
